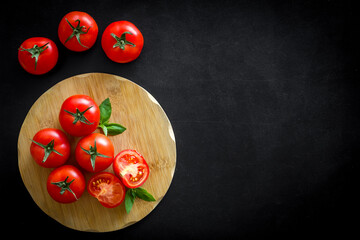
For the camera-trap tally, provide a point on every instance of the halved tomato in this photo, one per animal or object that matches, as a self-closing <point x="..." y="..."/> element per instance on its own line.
<point x="107" y="188"/>
<point x="131" y="168"/>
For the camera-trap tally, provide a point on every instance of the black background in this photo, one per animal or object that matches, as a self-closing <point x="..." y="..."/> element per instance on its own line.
<point x="262" y="96"/>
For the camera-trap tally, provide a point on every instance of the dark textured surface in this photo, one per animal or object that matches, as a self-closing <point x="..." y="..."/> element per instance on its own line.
<point x="263" y="97"/>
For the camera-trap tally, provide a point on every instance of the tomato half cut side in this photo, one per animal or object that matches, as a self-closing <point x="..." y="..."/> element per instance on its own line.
<point x="131" y="168"/>
<point x="107" y="188"/>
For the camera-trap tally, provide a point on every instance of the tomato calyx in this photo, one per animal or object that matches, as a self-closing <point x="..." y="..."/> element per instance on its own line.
<point x="93" y="154"/>
<point x="121" y="41"/>
<point x="64" y="185"/>
<point x="77" y="31"/>
<point x="48" y="149"/>
<point x="79" y="116"/>
<point x="35" y="51"/>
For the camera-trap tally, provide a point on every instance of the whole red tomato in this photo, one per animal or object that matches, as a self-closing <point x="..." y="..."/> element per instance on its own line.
<point x="38" y="55"/>
<point x="50" y="148"/>
<point x="122" y="41"/>
<point x="94" y="152"/>
<point x="79" y="115"/>
<point x="78" y="31"/>
<point x="66" y="184"/>
<point x="131" y="168"/>
<point x="107" y="188"/>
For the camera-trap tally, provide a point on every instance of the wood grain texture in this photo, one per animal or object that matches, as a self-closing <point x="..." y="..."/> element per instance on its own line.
<point x="148" y="131"/>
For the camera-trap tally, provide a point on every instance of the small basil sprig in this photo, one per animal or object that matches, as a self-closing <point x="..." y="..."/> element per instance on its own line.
<point x="139" y="192"/>
<point x="105" y="113"/>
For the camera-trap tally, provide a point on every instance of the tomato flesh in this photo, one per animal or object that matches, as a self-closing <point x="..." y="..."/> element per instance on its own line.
<point x="131" y="168"/>
<point x="107" y="188"/>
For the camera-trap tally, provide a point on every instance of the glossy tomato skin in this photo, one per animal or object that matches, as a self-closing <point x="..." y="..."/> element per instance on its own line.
<point x="107" y="188"/>
<point x="130" y="52"/>
<point x="61" y="145"/>
<point x="68" y="173"/>
<point x="104" y="146"/>
<point x="46" y="60"/>
<point x="81" y="103"/>
<point x="87" y="38"/>
<point x="131" y="168"/>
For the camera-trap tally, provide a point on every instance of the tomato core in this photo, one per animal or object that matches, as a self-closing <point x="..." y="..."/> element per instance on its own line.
<point x="134" y="169"/>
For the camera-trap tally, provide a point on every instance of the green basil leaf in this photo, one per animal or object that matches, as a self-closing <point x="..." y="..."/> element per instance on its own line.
<point x="105" y="111"/>
<point x="144" y="195"/>
<point x="133" y="194"/>
<point x="104" y="128"/>
<point x="129" y="200"/>
<point x="114" y="128"/>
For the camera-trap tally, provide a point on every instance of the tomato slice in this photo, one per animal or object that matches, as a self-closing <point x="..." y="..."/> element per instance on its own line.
<point x="131" y="168"/>
<point x="107" y="188"/>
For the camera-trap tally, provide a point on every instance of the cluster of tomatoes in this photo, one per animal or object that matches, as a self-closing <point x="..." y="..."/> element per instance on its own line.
<point x="121" y="41"/>
<point x="80" y="116"/>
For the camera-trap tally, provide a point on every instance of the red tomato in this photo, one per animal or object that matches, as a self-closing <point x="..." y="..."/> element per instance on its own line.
<point x="78" y="31"/>
<point x="131" y="168"/>
<point x="95" y="152"/>
<point x="79" y="115"/>
<point x="50" y="148"/>
<point x="107" y="188"/>
<point x="38" y="55"/>
<point x="122" y="41"/>
<point x="66" y="184"/>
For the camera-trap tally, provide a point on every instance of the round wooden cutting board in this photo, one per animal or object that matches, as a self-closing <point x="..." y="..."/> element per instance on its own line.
<point x="148" y="131"/>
